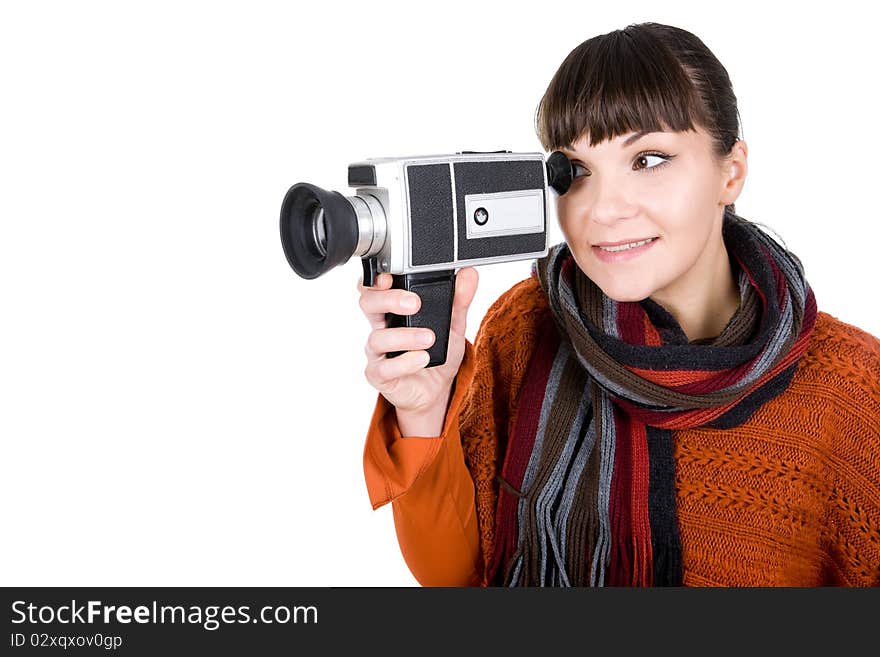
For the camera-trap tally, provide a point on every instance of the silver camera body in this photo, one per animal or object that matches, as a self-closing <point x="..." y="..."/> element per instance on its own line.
<point x="430" y="212"/>
<point x="421" y="217"/>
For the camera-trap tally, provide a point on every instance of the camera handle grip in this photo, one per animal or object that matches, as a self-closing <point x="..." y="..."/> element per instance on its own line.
<point x="436" y="289"/>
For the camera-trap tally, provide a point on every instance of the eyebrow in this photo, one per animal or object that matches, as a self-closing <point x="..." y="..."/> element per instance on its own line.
<point x="629" y="140"/>
<point x="633" y="138"/>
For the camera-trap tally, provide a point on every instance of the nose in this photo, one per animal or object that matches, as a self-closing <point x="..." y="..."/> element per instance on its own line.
<point x="610" y="201"/>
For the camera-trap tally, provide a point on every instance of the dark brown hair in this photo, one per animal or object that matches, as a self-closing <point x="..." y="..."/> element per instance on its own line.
<point x="647" y="76"/>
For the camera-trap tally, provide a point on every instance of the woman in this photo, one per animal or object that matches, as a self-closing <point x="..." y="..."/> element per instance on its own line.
<point x="661" y="402"/>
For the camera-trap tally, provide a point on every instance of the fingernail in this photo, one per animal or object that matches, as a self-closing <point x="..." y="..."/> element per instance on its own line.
<point x="426" y="337"/>
<point x="409" y="302"/>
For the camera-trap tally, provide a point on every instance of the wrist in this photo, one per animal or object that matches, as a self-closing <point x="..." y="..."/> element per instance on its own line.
<point x="424" y="423"/>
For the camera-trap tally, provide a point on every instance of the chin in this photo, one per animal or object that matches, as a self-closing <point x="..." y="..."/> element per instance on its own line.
<point x="620" y="291"/>
<point x="628" y="297"/>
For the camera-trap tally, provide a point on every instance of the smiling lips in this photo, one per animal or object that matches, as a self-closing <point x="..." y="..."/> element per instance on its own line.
<point x="622" y="242"/>
<point x="621" y="251"/>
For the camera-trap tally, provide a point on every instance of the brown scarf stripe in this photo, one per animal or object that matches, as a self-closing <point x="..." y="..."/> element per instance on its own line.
<point x="564" y="412"/>
<point x="588" y="481"/>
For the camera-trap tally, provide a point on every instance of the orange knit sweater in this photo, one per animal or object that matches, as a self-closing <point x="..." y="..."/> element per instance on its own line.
<point x="789" y="498"/>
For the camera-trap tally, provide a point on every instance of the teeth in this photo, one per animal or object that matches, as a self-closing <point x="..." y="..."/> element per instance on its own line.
<point x="624" y="247"/>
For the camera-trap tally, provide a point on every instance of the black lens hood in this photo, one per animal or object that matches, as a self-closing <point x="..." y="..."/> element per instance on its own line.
<point x="298" y="237"/>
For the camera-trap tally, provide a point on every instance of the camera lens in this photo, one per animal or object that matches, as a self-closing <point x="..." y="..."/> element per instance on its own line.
<point x="320" y="232"/>
<point x="319" y="229"/>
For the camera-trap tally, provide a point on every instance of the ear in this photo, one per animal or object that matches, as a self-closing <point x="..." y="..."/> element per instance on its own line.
<point x="735" y="169"/>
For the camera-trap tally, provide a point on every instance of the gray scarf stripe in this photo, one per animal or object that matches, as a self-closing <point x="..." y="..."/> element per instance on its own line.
<point x="601" y="555"/>
<point x="771" y="353"/>
<point x="759" y="368"/>
<point x="550" y="492"/>
<point x="551" y="510"/>
<point x="535" y="457"/>
<point x="515" y="577"/>
<point x="609" y="314"/>
<point x="567" y="299"/>
<point x="577" y="471"/>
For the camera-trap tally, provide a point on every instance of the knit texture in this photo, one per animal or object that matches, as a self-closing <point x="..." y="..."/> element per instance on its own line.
<point x="790" y="497"/>
<point x="591" y="453"/>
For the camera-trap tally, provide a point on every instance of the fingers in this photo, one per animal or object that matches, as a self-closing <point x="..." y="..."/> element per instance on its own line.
<point x="382" y="374"/>
<point x="377" y="300"/>
<point x="383" y="340"/>
<point x="466" y="281"/>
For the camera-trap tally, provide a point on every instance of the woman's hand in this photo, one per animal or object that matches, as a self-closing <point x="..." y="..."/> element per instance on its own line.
<point x="414" y="390"/>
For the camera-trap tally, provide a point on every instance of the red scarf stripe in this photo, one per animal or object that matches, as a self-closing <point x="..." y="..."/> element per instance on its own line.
<point x="726" y="378"/>
<point x="652" y="335"/>
<point x="532" y="395"/>
<point x="521" y="443"/>
<point x="705" y="415"/>
<point x="699" y="382"/>
<point x="671" y="378"/>
<point x="640" y="489"/>
<point x="722" y="379"/>
<point x="631" y="561"/>
<point x="694" y="382"/>
<point x="621" y="563"/>
<point x="686" y="419"/>
<point x="796" y="351"/>
<point x="779" y="281"/>
<point x="752" y="280"/>
<point x="630" y="527"/>
<point x="641" y="523"/>
<point x="631" y="323"/>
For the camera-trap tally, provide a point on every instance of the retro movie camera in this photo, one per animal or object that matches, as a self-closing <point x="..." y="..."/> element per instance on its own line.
<point x="421" y="217"/>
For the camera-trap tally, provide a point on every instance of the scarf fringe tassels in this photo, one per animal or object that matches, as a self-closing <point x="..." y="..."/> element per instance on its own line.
<point x="586" y="493"/>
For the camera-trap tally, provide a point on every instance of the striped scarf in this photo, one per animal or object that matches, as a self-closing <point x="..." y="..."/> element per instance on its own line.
<point x="588" y="480"/>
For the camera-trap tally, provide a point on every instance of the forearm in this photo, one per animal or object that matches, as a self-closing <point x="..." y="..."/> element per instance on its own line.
<point x="436" y="521"/>
<point x="430" y="486"/>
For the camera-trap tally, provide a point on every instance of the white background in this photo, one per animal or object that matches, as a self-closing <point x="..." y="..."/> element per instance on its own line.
<point x="178" y="407"/>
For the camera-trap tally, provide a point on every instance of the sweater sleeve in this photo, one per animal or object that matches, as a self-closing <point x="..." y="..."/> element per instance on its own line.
<point x="430" y="488"/>
<point x="442" y="488"/>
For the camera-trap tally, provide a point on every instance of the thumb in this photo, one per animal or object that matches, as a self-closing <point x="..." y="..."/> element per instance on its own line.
<point x="465" y="289"/>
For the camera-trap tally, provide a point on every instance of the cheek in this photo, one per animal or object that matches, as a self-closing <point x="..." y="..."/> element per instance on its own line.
<point x="568" y="212"/>
<point x="675" y="202"/>
<point x="692" y="189"/>
<point x="681" y="207"/>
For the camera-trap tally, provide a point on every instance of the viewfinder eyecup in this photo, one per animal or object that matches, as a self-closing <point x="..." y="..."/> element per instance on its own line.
<point x="559" y="172"/>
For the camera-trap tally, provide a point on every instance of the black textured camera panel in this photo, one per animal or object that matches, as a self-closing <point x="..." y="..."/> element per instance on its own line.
<point x="430" y="209"/>
<point x="489" y="178"/>
<point x="435" y="289"/>
<point x="361" y="175"/>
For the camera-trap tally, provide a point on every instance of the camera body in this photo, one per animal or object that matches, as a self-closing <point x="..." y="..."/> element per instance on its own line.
<point x="449" y="211"/>
<point x="421" y="217"/>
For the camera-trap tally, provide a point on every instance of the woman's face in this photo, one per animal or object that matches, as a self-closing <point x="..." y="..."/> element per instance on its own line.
<point x="664" y="185"/>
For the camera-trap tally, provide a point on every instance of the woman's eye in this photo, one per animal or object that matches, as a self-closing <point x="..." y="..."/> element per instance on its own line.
<point x="646" y="161"/>
<point x="646" y="157"/>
